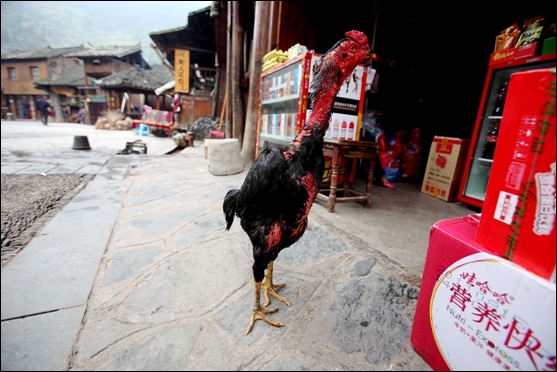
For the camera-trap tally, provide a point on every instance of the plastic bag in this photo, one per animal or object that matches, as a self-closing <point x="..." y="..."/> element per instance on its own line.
<point x="389" y="154"/>
<point x="371" y="124"/>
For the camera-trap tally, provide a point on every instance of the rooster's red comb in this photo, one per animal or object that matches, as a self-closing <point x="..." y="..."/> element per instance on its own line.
<point x="357" y="36"/>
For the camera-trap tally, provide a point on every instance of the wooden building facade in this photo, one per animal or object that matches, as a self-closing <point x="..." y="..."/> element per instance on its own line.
<point x="198" y="37"/>
<point x="21" y="69"/>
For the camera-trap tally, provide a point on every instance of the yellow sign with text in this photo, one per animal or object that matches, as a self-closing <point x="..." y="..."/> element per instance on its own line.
<point x="182" y="70"/>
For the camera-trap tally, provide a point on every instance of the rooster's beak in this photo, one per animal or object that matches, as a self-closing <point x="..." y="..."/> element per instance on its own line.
<point x="369" y="57"/>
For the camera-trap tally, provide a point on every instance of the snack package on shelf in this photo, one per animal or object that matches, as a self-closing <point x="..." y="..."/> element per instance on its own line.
<point x="296" y="50"/>
<point x="508" y="38"/>
<point x="532" y="31"/>
<point x="273" y="59"/>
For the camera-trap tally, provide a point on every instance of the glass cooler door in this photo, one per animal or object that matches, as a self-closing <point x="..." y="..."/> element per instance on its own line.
<point x="482" y="155"/>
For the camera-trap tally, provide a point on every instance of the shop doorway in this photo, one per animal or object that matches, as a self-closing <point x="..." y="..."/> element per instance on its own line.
<point x="23" y="107"/>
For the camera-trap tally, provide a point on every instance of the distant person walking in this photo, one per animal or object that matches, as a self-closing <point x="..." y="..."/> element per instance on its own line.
<point x="44" y="108"/>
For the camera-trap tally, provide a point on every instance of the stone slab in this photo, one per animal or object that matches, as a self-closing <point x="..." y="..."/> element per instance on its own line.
<point x="37" y="169"/>
<point x="11" y="169"/>
<point x="42" y="342"/>
<point x="57" y="269"/>
<point x="167" y="350"/>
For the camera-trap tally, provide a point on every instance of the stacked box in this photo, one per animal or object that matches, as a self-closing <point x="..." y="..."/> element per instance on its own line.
<point x="445" y="164"/>
<point x="518" y="215"/>
<point x="480" y="312"/>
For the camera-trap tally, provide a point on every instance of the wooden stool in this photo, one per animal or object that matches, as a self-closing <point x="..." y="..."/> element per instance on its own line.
<point x="354" y="150"/>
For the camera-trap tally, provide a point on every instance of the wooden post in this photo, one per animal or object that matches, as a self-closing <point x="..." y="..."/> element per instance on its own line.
<point x="216" y="90"/>
<point x="192" y="111"/>
<point x="229" y="121"/>
<point x="260" y="42"/>
<point x="13" y="108"/>
<point x="237" y="73"/>
<point x="118" y="100"/>
<point x="272" y="24"/>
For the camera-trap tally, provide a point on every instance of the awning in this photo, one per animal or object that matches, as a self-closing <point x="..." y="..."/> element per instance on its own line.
<point x="165" y="87"/>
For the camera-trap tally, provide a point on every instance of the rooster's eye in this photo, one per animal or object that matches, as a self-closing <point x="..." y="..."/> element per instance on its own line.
<point x="352" y="48"/>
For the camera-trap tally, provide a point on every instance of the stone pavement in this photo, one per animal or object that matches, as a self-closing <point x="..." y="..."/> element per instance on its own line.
<point x="138" y="272"/>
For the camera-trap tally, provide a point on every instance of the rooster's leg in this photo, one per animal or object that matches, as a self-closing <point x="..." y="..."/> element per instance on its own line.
<point x="259" y="311"/>
<point x="269" y="287"/>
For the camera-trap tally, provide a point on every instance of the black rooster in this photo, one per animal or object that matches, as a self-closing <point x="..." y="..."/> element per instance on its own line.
<point x="279" y="189"/>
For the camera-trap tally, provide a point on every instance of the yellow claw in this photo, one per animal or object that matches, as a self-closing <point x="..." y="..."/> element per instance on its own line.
<point x="269" y="287"/>
<point x="258" y="315"/>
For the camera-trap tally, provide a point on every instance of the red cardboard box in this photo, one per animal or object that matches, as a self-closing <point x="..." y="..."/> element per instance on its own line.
<point x="445" y="163"/>
<point x="512" y="54"/>
<point x="479" y="312"/>
<point x="518" y="215"/>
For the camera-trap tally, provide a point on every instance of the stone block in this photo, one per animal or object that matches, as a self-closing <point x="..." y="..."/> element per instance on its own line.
<point x="206" y="146"/>
<point x="225" y="157"/>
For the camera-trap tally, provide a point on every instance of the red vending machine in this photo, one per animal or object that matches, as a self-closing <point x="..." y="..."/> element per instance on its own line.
<point x="482" y="144"/>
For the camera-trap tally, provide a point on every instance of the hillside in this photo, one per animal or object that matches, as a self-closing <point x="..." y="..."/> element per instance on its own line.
<point x="37" y="24"/>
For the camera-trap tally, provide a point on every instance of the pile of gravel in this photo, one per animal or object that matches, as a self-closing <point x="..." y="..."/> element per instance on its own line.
<point x="202" y="126"/>
<point x="29" y="201"/>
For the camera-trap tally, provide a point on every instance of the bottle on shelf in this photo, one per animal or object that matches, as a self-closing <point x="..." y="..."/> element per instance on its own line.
<point x="336" y="129"/>
<point x="500" y="99"/>
<point x="491" y="141"/>
<point x="350" y="134"/>
<point x="343" y="129"/>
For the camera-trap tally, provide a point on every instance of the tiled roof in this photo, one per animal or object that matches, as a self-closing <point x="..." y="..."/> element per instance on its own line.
<point x="40" y="53"/>
<point x="198" y="36"/>
<point x="73" y="78"/>
<point x="135" y="77"/>
<point x="161" y="73"/>
<point x="105" y="51"/>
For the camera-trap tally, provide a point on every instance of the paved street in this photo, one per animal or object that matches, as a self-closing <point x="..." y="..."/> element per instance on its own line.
<point x="138" y="272"/>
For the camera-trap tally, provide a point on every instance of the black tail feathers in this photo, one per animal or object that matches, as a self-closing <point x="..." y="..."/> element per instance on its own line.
<point x="229" y="207"/>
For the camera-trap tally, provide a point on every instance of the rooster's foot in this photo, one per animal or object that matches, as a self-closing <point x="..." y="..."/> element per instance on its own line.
<point x="269" y="289"/>
<point x="259" y="315"/>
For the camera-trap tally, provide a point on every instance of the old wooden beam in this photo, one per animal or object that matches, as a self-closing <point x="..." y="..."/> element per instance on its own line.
<point x="237" y="72"/>
<point x="260" y="48"/>
<point x="229" y="121"/>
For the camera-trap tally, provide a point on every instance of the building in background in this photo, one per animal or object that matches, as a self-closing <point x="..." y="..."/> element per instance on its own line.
<point x="21" y="69"/>
<point x="67" y="76"/>
<point x="198" y="39"/>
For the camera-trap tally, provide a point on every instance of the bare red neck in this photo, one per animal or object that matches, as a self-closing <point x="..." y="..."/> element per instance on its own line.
<point x="321" y="112"/>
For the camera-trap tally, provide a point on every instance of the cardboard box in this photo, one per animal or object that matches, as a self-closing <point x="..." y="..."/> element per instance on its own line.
<point x="512" y="54"/>
<point x="518" y="215"/>
<point x="480" y="312"/>
<point x="296" y="50"/>
<point x="445" y="164"/>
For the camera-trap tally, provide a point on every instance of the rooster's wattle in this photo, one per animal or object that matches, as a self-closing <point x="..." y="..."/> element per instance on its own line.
<point x="277" y="194"/>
